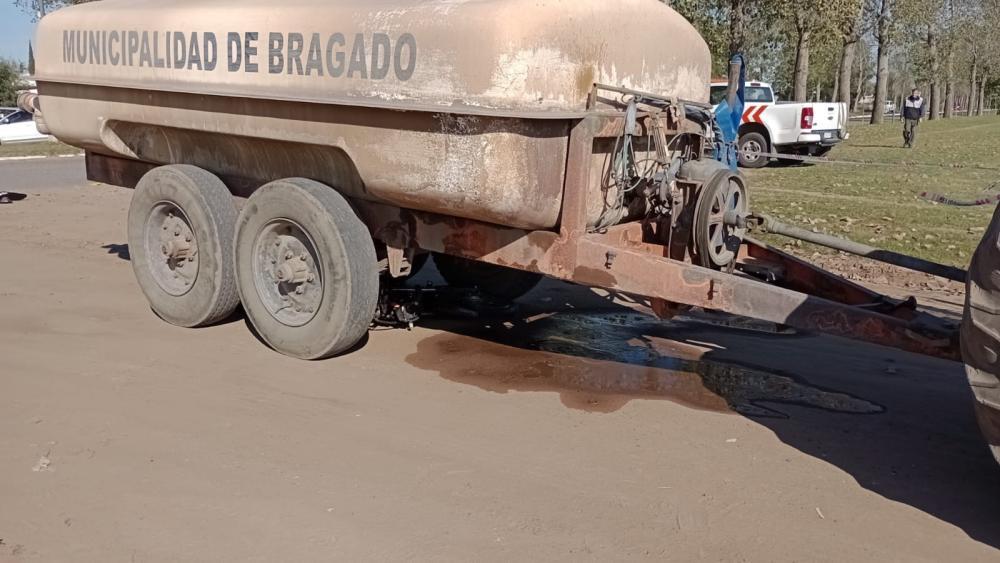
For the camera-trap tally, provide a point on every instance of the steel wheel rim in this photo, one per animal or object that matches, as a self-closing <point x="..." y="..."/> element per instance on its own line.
<point x="171" y="248"/>
<point x="723" y="240"/>
<point x="286" y="272"/>
<point x="752" y="150"/>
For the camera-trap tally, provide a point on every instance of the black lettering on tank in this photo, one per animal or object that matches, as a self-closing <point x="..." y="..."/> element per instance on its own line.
<point x="295" y="45"/>
<point x="133" y="47"/>
<point x="158" y="61"/>
<point x="210" y="53"/>
<point x="334" y="55"/>
<point x="408" y="43"/>
<point x="359" y="61"/>
<point x="194" y="52"/>
<point x="81" y="47"/>
<point x="381" y="56"/>
<point x="250" y="50"/>
<point x="69" y="46"/>
<point x="234" y="51"/>
<point x="180" y="49"/>
<point x="145" y="52"/>
<point x="93" y="47"/>
<point x="113" y="50"/>
<point x="275" y="55"/>
<point x="314" y="58"/>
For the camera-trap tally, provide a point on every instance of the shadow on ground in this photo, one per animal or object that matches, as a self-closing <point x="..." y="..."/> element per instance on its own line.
<point x="119" y="250"/>
<point x="900" y="424"/>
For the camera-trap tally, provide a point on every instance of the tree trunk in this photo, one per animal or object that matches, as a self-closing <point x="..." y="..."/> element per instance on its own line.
<point x="972" y="85"/>
<point x="982" y="94"/>
<point x="861" y="80"/>
<point x="843" y="90"/>
<point x="934" y="93"/>
<point x="737" y="26"/>
<point x="801" y="80"/>
<point x="882" y="71"/>
<point x="949" y="85"/>
<point x="850" y="46"/>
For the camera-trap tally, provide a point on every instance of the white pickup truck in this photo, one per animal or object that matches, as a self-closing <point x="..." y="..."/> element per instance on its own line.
<point x="797" y="128"/>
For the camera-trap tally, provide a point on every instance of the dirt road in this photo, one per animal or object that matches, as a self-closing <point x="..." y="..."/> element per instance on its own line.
<point x="576" y="429"/>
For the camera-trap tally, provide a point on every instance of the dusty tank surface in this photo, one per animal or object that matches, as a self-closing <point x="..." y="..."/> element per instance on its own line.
<point x="459" y="107"/>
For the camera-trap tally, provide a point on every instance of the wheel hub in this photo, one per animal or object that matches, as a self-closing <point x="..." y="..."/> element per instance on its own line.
<point x="286" y="273"/>
<point x="171" y="248"/>
<point x="752" y="150"/>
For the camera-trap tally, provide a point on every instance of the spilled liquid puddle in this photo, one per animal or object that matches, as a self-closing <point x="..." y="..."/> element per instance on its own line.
<point x="599" y="363"/>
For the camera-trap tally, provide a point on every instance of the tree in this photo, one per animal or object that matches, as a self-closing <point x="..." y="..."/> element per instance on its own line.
<point x="39" y="8"/>
<point x="809" y="19"/>
<point x="883" y="34"/>
<point x="10" y="80"/>
<point x="849" y="45"/>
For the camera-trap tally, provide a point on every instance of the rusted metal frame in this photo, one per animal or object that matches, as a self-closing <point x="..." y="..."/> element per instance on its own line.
<point x="615" y="261"/>
<point x="798" y="275"/>
<point x="636" y="272"/>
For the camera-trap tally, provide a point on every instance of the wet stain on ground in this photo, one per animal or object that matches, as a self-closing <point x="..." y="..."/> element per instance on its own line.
<point x="600" y="362"/>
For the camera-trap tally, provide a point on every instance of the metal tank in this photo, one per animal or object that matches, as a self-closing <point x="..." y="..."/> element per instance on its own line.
<point x="460" y="107"/>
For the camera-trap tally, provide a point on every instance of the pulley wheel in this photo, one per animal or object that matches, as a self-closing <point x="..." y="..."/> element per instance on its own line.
<point x="717" y="243"/>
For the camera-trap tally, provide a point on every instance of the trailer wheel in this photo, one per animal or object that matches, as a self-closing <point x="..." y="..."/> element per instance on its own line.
<point x="498" y="282"/>
<point x="981" y="333"/>
<point x="753" y="147"/>
<point x="307" y="270"/>
<point x="716" y="242"/>
<point x="180" y="234"/>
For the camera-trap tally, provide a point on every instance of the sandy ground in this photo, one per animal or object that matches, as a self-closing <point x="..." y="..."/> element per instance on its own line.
<point x="576" y="429"/>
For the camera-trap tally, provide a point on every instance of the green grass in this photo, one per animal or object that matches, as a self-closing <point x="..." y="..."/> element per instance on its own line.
<point x="40" y="148"/>
<point x="878" y="202"/>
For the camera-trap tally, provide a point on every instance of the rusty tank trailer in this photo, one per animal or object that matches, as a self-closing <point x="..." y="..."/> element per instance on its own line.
<point x="300" y="160"/>
<point x="456" y="107"/>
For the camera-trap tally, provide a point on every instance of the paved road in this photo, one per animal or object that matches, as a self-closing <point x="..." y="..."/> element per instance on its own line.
<point x="573" y="429"/>
<point x="42" y="174"/>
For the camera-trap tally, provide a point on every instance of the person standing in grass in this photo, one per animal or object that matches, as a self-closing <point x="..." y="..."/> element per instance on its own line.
<point x="913" y="112"/>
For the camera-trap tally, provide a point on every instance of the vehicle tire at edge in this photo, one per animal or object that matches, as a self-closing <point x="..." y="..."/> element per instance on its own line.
<point x="980" y="339"/>
<point x="759" y="139"/>
<point x="209" y="212"/>
<point x="345" y="263"/>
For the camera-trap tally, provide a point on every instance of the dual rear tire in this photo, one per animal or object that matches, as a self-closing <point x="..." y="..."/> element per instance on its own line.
<point x="297" y="256"/>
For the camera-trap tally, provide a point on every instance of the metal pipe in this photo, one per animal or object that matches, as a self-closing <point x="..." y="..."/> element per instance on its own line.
<point x="768" y="224"/>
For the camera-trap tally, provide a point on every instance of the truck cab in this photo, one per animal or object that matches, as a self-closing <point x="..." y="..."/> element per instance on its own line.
<point x="771" y="126"/>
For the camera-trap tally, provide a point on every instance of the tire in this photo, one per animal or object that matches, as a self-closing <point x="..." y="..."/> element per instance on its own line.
<point x="306" y="268"/>
<point x="981" y="333"/>
<point x="821" y="151"/>
<point x="189" y="213"/>
<point x="753" y="143"/>
<point x="497" y="282"/>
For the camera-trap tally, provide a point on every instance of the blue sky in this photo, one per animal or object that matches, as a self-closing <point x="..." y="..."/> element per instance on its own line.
<point x="15" y="31"/>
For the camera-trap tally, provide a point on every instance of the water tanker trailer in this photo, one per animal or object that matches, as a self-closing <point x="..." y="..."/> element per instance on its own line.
<point x="299" y="160"/>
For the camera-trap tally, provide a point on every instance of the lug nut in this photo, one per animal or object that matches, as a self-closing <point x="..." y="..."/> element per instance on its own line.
<point x="289" y="255"/>
<point x="302" y="257"/>
<point x="311" y="278"/>
<point x="299" y="290"/>
<point x="177" y="232"/>
<point x="187" y="238"/>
